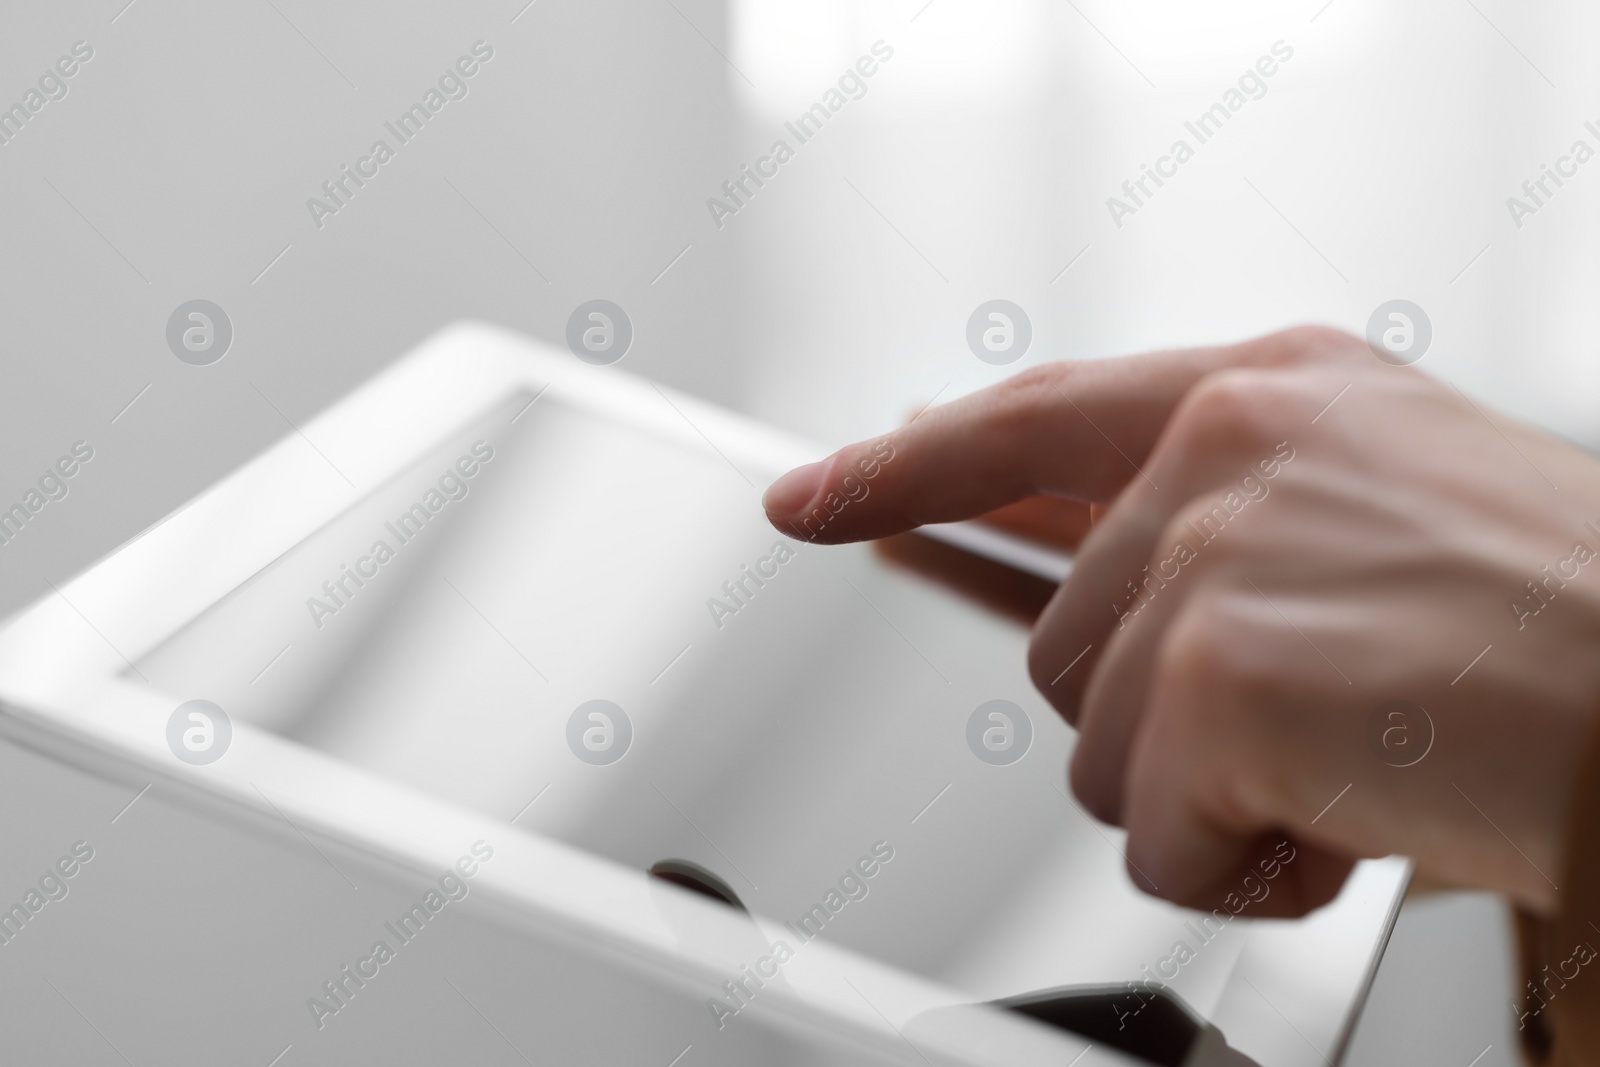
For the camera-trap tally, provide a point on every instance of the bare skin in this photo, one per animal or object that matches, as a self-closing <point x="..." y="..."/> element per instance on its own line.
<point x="1231" y="700"/>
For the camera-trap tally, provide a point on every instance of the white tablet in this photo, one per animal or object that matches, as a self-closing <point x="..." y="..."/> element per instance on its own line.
<point x="500" y="593"/>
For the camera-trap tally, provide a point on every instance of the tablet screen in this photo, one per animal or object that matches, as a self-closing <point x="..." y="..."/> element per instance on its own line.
<point x="563" y="621"/>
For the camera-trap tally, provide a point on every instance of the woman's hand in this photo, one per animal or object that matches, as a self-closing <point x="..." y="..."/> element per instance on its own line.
<point x="1330" y="598"/>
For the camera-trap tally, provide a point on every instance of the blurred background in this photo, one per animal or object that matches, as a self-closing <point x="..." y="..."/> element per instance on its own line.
<point x="976" y="164"/>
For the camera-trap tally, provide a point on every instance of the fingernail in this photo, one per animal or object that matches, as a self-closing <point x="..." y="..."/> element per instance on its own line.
<point x="790" y="494"/>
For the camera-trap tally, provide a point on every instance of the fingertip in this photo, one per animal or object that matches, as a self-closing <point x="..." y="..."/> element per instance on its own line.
<point x="791" y="495"/>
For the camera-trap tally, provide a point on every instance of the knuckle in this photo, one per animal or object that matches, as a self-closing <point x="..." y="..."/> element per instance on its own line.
<point x="1042" y="376"/>
<point x="1235" y="407"/>
<point x="1216" y="683"/>
<point x="1213" y="653"/>
<point x="1192" y="656"/>
<point x="1202" y="698"/>
<point x="1309" y="345"/>
<point x="1036" y="401"/>
<point x="1038" y="381"/>
<point x="1191" y="543"/>
<point x="1035" y="394"/>
<point x="1221" y="507"/>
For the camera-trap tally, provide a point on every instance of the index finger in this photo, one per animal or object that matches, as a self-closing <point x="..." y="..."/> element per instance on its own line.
<point x="1073" y="429"/>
